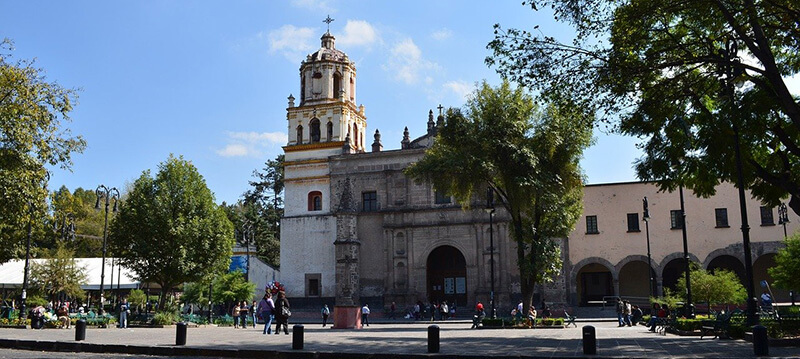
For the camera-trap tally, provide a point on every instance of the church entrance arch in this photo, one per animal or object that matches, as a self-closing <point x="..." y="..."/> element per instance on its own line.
<point x="447" y="275"/>
<point x="634" y="280"/>
<point x="729" y="263"/>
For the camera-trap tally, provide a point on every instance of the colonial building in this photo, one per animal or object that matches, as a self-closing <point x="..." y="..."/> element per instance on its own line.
<point x="357" y="230"/>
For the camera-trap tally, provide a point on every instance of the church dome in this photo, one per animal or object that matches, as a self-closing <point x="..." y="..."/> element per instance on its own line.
<point x="328" y="52"/>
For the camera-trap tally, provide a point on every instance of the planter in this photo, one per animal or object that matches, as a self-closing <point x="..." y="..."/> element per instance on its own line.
<point x="776" y="342"/>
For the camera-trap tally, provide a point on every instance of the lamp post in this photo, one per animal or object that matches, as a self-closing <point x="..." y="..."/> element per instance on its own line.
<point x="646" y="218"/>
<point x="728" y="75"/>
<point x="688" y="306"/>
<point x="31" y="209"/>
<point x="66" y="226"/>
<point x="490" y="210"/>
<point x="108" y="194"/>
<point x="247" y="228"/>
<point x="783" y="218"/>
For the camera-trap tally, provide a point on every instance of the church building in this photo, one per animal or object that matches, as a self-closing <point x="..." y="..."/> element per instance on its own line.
<point x="356" y="230"/>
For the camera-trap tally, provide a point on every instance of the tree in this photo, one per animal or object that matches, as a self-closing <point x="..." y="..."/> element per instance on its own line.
<point x="231" y="287"/>
<point x="59" y="275"/>
<point x="691" y="78"/>
<point x="169" y="230"/>
<point x="195" y="294"/>
<point x="137" y="299"/>
<point x="528" y="157"/>
<point x="88" y="222"/>
<point x="262" y="207"/>
<point x="718" y="287"/>
<point x="787" y="265"/>
<point x="33" y="114"/>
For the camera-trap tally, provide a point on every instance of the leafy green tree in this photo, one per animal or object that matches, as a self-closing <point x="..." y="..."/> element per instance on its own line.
<point x="262" y="207"/>
<point x="528" y="157"/>
<point x="59" y="275"/>
<point x="78" y="206"/>
<point x="169" y="230"/>
<point x="231" y="287"/>
<point x="195" y="293"/>
<point x="137" y="299"/>
<point x="689" y="78"/>
<point x="33" y="114"/>
<point x="787" y="265"/>
<point x="718" y="287"/>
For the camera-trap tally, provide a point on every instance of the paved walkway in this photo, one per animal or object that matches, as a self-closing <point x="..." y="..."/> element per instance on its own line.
<point x="387" y="340"/>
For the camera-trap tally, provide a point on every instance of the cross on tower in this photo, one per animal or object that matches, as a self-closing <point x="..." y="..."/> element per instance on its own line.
<point x="440" y="109"/>
<point x="328" y="21"/>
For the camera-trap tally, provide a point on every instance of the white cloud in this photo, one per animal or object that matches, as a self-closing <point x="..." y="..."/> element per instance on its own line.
<point x="250" y="144"/>
<point x="293" y="42"/>
<point x="460" y="88"/>
<point x="407" y="63"/>
<point x="442" y="34"/>
<point x="315" y="5"/>
<point x="357" y="33"/>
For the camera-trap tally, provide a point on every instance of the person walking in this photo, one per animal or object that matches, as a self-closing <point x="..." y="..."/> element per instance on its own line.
<point x="254" y="313"/>
<point x="626" y="312"/>
<point x="235" y="314"/>
<point x="282" y="313"/>
<point x="620" y="312"/>
<point x="124" y="310"/>
<point x="266" y="307"/>
<point x="243" y="311"/>
<point x="365" y="315"/>
<point x="325" y="313"/>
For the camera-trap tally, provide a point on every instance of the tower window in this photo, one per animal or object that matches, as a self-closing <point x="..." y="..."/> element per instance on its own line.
<point x="299" y="135"/>
<point x="315" y="201"/>
<point x="330" y="131"/>
<point x="302" y="89"/>
<point x="352" y="89"/>
<point x="314" y="130"/>
<point x="337" y="85"/>
<point x="355" y="135"/>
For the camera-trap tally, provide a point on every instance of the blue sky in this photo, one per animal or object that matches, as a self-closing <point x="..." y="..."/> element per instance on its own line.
<point x="209" y="79"/>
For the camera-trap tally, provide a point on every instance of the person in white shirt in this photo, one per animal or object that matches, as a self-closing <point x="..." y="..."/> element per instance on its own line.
<point x="365" y="315"/>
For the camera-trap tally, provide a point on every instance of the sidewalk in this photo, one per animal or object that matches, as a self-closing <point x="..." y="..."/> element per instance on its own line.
<point x="384" y="341"/>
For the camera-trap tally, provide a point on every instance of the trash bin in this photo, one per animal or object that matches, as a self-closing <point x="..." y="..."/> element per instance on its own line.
<point x="433" y="339"/>
<point x="760" y="341"/>
<point x="589" y="340"/>
<point x="180" y="335"/>
<point x="80" y="330"/>
<point x="297" y="337"/>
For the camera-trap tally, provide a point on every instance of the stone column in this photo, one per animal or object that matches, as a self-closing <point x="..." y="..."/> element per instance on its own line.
<point x="347" y="310"/>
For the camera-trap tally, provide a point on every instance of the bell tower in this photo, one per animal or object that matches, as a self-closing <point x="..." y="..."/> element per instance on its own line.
<point x="327" y="113"/>
<point x="322" y="121"/>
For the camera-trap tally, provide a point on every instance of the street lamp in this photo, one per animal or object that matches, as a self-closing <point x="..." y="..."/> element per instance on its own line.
<point x="247" y="228"/>
<point x="66" y="226"/>
<point x="107" y="194"/>
<point x="728" y="74"/>
<point x="31" y="209"/>
<point x="783" y="217"/>
<point x="646" y="218"/>
<point x="688" y="306"/>
<point x="490" y="210"/>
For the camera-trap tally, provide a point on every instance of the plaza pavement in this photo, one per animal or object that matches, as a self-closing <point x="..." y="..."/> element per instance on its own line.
<point x="391" y="340"/>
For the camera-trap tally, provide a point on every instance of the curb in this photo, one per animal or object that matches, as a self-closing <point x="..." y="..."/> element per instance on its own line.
<point x="56" y="346"/>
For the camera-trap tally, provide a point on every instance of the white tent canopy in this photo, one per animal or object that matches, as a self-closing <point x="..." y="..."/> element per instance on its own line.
<point x="12" y="273"/>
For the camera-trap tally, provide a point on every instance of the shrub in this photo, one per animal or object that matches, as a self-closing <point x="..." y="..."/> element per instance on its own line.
<point x="688" y="325"/>
<point x="165" y="318"/>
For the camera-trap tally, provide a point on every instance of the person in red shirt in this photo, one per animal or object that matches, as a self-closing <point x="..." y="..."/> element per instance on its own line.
<point x="479" y="315"/>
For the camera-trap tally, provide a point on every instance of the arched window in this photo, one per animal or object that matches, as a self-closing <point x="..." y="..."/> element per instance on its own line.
<point x="315" y="201"/>
<point x="352" y="89"/>
<point x="330" y="131"/>
<point x="314" y="130"/>
<point x="337" y="85"/>
<point x="355" y="135"/>
<point x="299" y="134"/>
<point x="302" y="89"/>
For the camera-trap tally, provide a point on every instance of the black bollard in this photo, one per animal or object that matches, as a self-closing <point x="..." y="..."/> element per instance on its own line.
<point x="180" y="334"/>
<point x="297" y="337"/>
<point x="80" y="330"/>
<point x="589" y="340"/>
<point x="760" y="340"/>
<point x="433" y="339"/>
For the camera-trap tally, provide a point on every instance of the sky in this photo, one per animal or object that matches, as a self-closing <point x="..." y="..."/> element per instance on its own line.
<point x="209" y="80"/>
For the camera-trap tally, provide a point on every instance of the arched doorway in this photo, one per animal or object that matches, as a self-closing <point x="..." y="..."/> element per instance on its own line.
<point x="730" y="263"/>
<point x="447" y="275"/>
<point x="633" y="279"/>
<point x="760" y="272"/>
<point x="673" y="272"/>
<point x="594" y="282"/>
